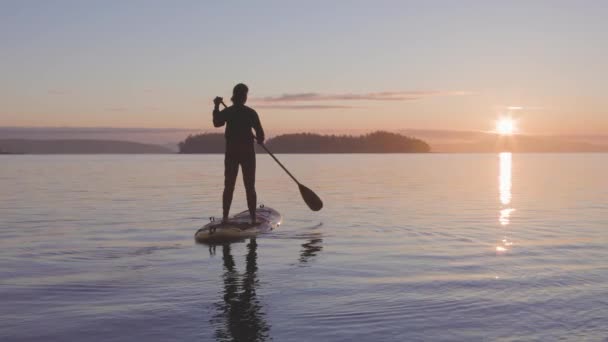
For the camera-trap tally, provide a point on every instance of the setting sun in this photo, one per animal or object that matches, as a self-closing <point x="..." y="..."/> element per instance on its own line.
<point x="506" y="126"/>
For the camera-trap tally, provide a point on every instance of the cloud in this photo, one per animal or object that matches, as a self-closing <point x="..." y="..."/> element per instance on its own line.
<point x="514" y="108"/>
<point x="374" y="96"/>
<point x="303" y="106"/>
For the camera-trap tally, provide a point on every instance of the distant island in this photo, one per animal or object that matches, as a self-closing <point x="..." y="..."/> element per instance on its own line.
<point x="376" y="142"/>
<point x="203" y="143"/>
<point x="77" y="146"/>
<point x="45" y="140"/>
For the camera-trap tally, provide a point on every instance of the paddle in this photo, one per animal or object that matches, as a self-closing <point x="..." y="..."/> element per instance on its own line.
<point x="312" y="200"/>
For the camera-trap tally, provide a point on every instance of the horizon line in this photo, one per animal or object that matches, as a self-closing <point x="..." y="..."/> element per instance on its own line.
<point x="287" y="131"/>
<point x="290" y="131"/>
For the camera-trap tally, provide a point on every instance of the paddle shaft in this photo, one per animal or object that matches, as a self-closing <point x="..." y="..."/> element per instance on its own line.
<point x="273" y="157"/>
<point x="281" y="165"/>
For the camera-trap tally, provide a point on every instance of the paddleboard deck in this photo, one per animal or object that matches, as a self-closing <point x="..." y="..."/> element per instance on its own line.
<point x="239" y="227"/>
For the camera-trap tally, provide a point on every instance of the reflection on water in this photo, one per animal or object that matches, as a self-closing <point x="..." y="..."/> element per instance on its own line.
<point x="506" y="164"/>
<point x="505" y="215"/>
<point x="504" y="189"/>
<point x="240" y="316"/>
<point x="100" y="248"/>
<point x="310" y="248"/>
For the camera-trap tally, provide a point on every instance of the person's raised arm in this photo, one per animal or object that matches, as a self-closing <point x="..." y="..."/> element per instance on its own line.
<point x="219" y="117"/>
<point x="257" y="126"/>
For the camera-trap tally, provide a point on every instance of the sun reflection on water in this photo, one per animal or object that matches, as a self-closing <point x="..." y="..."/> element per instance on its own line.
<point x="505" y="177"/>
<point x="505" y="215"/>
<point x="504" y="188"/>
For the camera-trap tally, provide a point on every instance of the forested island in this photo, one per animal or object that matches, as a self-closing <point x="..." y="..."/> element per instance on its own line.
<point x="376" y="142"/>
<point x="203" y="143"/>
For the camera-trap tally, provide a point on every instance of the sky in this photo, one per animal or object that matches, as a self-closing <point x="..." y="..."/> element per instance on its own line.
<point x="310" y="65"/>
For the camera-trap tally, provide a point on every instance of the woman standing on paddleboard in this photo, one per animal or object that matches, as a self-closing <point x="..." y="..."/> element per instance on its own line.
<point x="239" y="120"/>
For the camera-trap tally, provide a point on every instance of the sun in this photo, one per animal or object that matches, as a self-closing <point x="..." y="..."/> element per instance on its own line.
<point x="506" y="126"/>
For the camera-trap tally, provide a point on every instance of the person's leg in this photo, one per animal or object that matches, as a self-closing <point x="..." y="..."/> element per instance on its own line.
<point x="231" y="171"/>
<point x="248" y="165"/>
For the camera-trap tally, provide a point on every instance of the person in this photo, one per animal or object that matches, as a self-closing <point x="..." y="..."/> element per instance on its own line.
<point x="239" y="120"/>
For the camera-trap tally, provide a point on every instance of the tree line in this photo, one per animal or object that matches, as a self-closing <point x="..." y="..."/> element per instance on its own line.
<point x="376" y="142"/>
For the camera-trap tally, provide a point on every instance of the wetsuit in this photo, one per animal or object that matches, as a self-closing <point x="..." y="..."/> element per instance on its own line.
<point x="239" y="120"/>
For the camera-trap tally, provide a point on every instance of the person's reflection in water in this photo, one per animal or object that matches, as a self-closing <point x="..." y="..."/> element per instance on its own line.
<point x="240" y="313"/>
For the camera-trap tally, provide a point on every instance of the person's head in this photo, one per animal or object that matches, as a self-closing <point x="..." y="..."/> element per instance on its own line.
<point x="239" y="94"/>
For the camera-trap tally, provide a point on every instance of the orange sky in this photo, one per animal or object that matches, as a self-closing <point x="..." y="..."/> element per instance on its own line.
<point x="359" y="67"/>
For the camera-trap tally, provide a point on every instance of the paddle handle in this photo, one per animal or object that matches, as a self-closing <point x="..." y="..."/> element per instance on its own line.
<point x="273" y="157"/>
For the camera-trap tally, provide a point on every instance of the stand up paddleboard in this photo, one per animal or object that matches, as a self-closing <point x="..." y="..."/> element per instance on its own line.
<point x="239" y="227"/>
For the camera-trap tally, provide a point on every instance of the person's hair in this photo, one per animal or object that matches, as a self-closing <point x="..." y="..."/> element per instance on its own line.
<point x="239" y="93"/>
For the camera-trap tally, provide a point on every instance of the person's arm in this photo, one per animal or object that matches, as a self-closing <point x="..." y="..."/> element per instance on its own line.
<point x="257" y="126"/>
<point x="219" y="116"/>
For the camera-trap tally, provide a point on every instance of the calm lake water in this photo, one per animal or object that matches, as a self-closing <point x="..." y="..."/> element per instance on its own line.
<point x="434" y="247"/>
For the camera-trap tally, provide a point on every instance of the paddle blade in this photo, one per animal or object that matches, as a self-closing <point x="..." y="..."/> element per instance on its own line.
<point x="312" y="200"/>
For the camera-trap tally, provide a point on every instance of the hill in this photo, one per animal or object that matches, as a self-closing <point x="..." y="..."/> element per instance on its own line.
<point x="203" y="143"/>
<point x="77" y="146"/>
<point x="377" y="142"/>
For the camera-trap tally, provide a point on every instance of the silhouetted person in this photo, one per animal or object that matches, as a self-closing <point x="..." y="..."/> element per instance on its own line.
<point x="239" y="120"/>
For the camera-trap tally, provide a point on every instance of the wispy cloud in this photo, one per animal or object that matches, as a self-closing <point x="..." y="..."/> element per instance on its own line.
<point x="375" y="96"/>
<point x="303" y="106"/>
<point x="515" y="108"/>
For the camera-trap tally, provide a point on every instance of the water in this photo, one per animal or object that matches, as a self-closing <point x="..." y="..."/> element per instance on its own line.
<point x="430" y="247"/>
